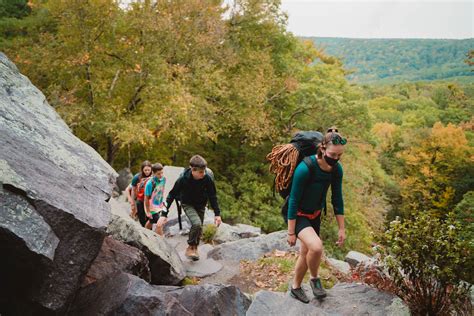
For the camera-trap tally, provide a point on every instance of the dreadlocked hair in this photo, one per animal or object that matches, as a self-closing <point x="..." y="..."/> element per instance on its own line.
<point x="283" y="160"/>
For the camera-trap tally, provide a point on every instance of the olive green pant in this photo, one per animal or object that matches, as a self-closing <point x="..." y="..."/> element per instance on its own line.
<point x="196" y="217"/>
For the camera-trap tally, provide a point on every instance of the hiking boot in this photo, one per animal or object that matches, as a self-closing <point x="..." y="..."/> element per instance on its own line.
<point x="195" y="255"/>
<point x="191" y="253"/>
<point x="299" y="294"/>
<point x="318" y="290"/>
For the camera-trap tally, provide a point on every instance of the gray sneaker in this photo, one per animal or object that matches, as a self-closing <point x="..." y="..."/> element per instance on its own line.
<point x="318" y="290"/>
<point x="299" y="294"/>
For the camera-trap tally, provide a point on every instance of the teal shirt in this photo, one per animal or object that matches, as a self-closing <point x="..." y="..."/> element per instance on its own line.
<point x="309" y="197"/>
<point x="156" y="194"/>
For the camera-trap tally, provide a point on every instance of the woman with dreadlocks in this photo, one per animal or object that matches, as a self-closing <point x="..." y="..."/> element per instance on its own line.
<point x="307" y="199"/>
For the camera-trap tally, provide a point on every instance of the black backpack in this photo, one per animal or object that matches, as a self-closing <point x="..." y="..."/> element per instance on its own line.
<point x="307" y="144"/>
<point x="285" y="158"/>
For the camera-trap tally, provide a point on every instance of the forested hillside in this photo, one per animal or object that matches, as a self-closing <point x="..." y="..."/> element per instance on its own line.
<point x="400" y="60"/>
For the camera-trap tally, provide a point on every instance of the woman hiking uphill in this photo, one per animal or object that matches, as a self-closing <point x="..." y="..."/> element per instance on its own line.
<point x="138" y="190"/>
<point x="307" y="199"/>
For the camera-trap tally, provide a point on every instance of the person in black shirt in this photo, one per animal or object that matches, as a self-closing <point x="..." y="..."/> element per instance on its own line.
<point x="194" y="188"/>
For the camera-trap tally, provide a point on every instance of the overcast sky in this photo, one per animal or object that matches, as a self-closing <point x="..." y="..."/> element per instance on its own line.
<point x="381" y="18"/>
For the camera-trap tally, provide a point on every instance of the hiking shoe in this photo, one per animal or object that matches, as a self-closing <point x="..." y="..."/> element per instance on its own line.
<point x="299" y="294"/>
<point x="318" y="290"/>
<point x="195" y="255"/>
<point x="191" y="253"/>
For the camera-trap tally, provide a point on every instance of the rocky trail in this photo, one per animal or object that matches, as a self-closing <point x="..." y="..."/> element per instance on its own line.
<point x="220" y="263"/>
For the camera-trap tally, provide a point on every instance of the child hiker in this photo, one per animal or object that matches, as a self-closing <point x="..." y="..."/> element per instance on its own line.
<point x="154" y="195"/>
<point x="194" y="188"/>
<point x="138" y="190"/>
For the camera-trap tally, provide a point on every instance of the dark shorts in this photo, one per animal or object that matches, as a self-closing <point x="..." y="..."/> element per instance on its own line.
<point x="141" y="213"/>
<point x="155" y="217"/>
<point x="303" y="222"/>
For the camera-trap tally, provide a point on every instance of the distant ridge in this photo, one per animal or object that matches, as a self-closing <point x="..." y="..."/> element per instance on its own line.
<point x="378" y="60"/>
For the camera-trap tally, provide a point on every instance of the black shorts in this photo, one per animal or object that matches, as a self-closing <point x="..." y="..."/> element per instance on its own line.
<point x="303" y="222"/>
<point x="154" y="218"/>
<point x="141" y="213"/>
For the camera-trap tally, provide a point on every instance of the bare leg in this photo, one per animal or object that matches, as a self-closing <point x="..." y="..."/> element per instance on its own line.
<point x="314" y="246"/>
<point x="301" y="267"/>
<point x="159" y="230"/>
<point x="148" y="225"/>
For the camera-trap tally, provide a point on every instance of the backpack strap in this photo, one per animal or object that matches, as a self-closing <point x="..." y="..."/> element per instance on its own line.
<point x="312" y="168"/>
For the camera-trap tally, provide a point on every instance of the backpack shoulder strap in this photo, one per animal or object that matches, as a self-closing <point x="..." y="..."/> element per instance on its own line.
<point x="335" y="169"/>
<point x="312" y="168"/>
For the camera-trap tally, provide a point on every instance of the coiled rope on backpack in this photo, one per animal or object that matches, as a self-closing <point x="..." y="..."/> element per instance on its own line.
<point x="283" y="160"/>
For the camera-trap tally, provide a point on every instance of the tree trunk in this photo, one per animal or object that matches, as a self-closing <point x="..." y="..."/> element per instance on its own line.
<point x="112" y="150"/>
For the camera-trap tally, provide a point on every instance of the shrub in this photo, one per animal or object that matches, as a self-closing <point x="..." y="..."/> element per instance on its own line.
<point x="428" y="259"/>
<point x="208" y="233"/>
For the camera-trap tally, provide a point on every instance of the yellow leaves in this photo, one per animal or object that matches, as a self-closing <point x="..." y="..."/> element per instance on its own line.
<point x="444" y="198"/>
<point x="80" y="60"/>
<point x="431" y="163"/>
<point x="19" y="60"/>
<point x="291" y="84"/>
<point x="385" y="133"/>
<point x="138" y="68"/>
<point x="449" y="136"/>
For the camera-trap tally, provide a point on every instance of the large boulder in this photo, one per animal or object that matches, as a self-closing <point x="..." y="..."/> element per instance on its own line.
<point x="343" y="299"/>
<point x="251" y="248"/>
<point x="115" y="256"/>
<point x="125" y="294"/>
<point x="210" y="299"/>
<point x="339" y="265"/>
<point x="172" y="174"/>
<point x="54" y="201"/>
<point x="124" y="179"/>
<point x="228" y="233"/>
<point x="165" y="264"/>
<point x="354" y="258"/>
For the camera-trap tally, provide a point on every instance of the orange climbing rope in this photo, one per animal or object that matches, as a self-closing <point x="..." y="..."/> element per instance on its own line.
<point x="283" y="159"/>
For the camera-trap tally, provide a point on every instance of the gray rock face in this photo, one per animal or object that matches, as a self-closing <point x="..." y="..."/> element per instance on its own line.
<point x="251" y="248"/>
<point x="165" y="265"/>
<point x="125" y="294"/>
<point x="354" y="258"/>
<point x="124" y="179"/>
<point x="228" y="233"/>
<point x="343" y="299"/>
<point x="339" y="265"/>
<point x="172" y="174"/>
<point x="203" y="267"/>
<point x="213" y="299"/>
<point x="210" y="299"/>
<point x="54" y="209"/>
<point x="115" y="256"/>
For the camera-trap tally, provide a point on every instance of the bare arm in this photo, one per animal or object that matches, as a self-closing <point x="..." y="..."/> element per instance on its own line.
<point x="128" y="190"/>
<point x="342" y="230"/>
<point x="134" y="192"/>
<point x="147" y="206"/>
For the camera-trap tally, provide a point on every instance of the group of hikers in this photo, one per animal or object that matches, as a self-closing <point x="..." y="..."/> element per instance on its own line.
<point x="193" y="189"/>
<point x="304" y="187"/>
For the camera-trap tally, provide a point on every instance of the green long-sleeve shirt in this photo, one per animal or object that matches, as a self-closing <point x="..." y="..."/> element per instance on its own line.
<point x="309" y="197"/>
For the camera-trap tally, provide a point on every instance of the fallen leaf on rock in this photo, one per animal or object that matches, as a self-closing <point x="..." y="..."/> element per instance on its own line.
<point x="280" y="253"/>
